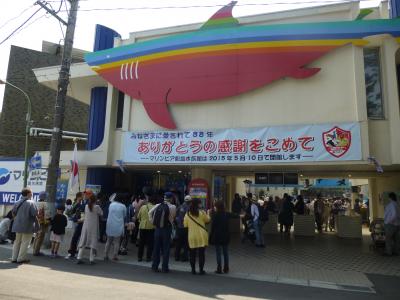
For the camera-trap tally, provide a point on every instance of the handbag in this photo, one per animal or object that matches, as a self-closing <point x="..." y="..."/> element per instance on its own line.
<point x="197" y="222"/>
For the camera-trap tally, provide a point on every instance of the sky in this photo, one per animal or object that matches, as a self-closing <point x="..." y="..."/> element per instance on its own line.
<point x="124" y="16"/>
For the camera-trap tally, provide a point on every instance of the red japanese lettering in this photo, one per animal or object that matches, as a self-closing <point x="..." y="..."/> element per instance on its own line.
<point x="195" y="146"/>
<point x="256" y="146"/>
<point x="225" y="146"/>
<point x="167" y="147"/>
<point x="305" y="140"/>
<point x="182" y="148"/>
<point x="143" y="147"/>
<point x="271" y="143"/>
<point x="289" y="144"/>
<point x="240" y="146"/>
<point x="155" y="147"/>
<point x="210" y="147"/>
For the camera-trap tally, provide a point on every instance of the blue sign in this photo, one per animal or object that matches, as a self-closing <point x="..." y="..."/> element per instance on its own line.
<point x="4" y="176"/>
<point x="332" y="183"/>
<point x="9" y="198"/>
<point x="35" y="162"/>
<point x="62" y="190"/>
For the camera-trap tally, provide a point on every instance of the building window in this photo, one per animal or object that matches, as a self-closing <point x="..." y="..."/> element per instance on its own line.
<point x="373" y="83"/>
<point x="120" y="109"/>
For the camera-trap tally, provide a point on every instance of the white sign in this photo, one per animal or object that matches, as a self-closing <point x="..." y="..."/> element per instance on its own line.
<point x="12" y="181"/>
<point x="269" y="145"/>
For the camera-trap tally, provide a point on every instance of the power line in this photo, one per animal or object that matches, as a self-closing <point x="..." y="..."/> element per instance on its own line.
<point x="16" y="17"/>
<point x="29" y="24"/>
<point x="12" y="33"/>
<point x="215" y="5"/>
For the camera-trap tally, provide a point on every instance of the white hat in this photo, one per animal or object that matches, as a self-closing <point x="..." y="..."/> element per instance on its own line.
<point x="188" y="198"/>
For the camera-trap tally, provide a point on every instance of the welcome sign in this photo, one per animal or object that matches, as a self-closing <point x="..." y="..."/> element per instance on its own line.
<point x="268" y="145"/>
<point x="12" y="181"/>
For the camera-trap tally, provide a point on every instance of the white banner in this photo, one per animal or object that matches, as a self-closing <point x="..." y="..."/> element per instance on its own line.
<point x="12" y="181"/>
<point x="278" y="144"/>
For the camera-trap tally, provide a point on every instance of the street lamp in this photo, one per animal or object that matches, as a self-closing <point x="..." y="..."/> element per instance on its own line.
<point x="28" y="124"/>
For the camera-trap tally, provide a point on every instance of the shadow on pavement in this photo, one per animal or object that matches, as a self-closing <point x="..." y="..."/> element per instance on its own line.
<point x="210" y="285"/>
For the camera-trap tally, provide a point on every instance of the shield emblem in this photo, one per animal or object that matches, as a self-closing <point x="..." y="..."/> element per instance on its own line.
<point x="337" y="141"/>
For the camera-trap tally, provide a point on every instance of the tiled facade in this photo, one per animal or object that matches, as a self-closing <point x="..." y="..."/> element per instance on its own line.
<point x="12" y="120"/>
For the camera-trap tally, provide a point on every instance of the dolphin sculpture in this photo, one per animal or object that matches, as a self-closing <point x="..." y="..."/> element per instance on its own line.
<point x="224" y="59"/>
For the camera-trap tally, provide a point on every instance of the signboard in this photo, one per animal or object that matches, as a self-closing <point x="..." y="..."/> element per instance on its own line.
<point x="94" y="187"/>
<point x="274" y="178"/>
<point x="12" y="181"/>
<point x="198" y="189"/>
<point x="269" y="145"/>
<point x="332" y="183"/>
<point x="62" y="190"/>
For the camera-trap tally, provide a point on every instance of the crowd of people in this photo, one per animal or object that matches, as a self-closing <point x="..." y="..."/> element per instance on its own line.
<point x="151" y="221"/>
<point x="255" y="212"/>
<point x="155" y="221"/>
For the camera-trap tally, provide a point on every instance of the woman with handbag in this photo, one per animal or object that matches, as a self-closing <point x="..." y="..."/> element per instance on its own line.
<point x="195" y="221"/>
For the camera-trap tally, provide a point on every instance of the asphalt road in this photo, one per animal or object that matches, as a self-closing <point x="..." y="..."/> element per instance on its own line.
<point x="59" y="279"/>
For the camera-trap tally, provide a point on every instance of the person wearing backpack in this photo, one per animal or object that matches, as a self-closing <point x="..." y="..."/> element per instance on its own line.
<point x="195" y="221"/>
<point x="162" y="216"/>
<point x="44" y="219"/>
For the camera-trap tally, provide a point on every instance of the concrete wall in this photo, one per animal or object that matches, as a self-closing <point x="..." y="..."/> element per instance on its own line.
<point x="388" y="182"/>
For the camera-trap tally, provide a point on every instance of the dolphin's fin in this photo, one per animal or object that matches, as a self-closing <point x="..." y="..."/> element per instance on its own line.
<point x="363" y="13"/>
<point x="300" y="73"/>
<point x="159" y="113"/>
<point x="222" y="18"/>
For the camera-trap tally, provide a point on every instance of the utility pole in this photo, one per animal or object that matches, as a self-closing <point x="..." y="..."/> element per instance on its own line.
<point x="63" y="81"/>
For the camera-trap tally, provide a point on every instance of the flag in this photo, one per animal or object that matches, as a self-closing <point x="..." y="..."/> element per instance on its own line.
<point x="74" y="173"/>
<point x="121" y="165"/>
<point x="35" y="162"/>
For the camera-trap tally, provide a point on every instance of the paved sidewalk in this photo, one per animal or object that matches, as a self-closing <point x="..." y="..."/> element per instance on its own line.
<point x="321" y="261"/>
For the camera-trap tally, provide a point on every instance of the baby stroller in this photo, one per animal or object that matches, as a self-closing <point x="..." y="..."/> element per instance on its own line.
<point x="377" y="230"/>
<point x="249" y="233"/>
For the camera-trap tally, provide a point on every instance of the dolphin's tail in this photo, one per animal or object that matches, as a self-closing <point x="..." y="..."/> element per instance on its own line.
<point x="159" y="113"/>
<point x="304" y="72"/>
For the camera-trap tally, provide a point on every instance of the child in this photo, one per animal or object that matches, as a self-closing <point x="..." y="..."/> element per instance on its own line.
<point x="58" y="224"/>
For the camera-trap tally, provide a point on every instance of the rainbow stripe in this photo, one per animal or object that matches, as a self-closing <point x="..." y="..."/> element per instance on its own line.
<point x="243" y="38"/>
<point x="222" y="18"/>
